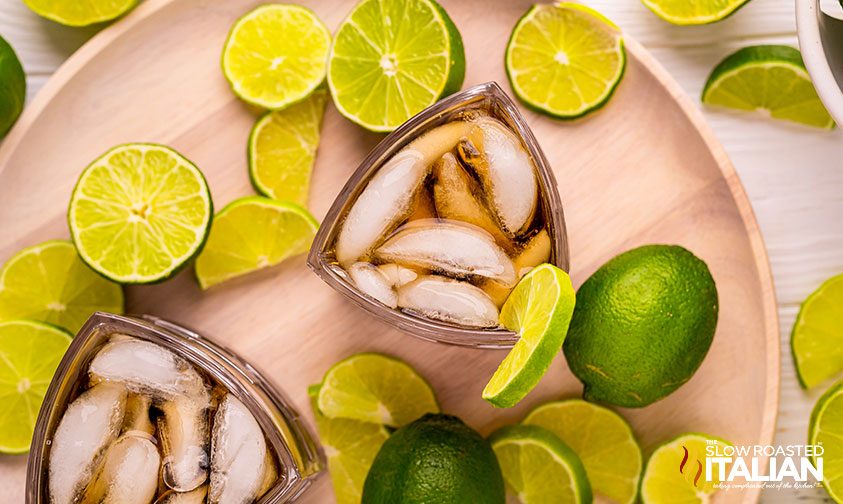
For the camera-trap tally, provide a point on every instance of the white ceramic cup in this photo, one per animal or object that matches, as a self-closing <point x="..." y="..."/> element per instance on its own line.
<point x="821" y="44"/>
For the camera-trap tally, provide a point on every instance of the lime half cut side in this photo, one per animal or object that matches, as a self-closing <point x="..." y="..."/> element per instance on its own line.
<point x="377" y="389"/>
<point x="538" y="467"/>
<point x="603" y="441"/>
<point x="49" y="283"/>
<point x="817" y="337"/>
<point x="676" y="470"/>
<point x="393" y="58"/>
<point x="826" y="429"/>
<point x="282" y="149"/>
<point x="694" y="12"/>
<point x="770" y="79"/>
<point x="30" y="352"/>
<point x="80" y="12"/>
<point x="565" y="59"/>
<point x="253" y="233"/>
<point x="139" y="213"/>
<point x="539" y="310"/>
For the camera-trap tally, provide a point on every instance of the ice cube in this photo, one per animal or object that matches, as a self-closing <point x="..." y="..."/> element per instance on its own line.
<point x="136" y="421"/>
<point x="372" y="282"/>
<point x="448" y="300"/>
<point x="506" y="173"/>
<point x="128" y="473"/>
<point x="455" y="248"/>
<point x="90" y="423"/>
<point x="193" y="497"/>
<point x="398" y="275"/>
<point x="183" y="429"/>
<point x="536" y="251"/>
<point x="238" y="454"/>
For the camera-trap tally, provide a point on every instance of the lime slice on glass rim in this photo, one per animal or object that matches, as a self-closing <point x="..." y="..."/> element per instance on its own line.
<point x="253" y="233"/>
<point x="694" y="12"/>
<point x="139" y="213"/>
<point x="603" y="441"/>
<point x="771" y="79"/>
<point x="676" y="470"/>
<point x="49" y="283"/>
<point x="565" y="59"/>
<point x="276" y="55"/>
<point x="826" y="429"/>
<point x="817" y="337"/>
<point x="539" y="310"/>
<point x="377" y="389"/>
<point x="538" y="467"/>
<point x="282" y="149"/>
<point x="391" y="59"/>
<point x="80" y="13"/>
<point x="30" y="352"/>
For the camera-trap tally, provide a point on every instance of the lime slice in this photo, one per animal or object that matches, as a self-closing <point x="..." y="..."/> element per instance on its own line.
<point x="30" y="352"/>
<point x="49" y="283"/>
<point x="253" y="233"/>
<point x="350" y="446"/>
<point x="276" y="55"/>
<point x="565" y="59"/>
<point x="603" y="441"/>
<point x="826" y="429"/>
<point x="139" y="213"/>
<point x="377" y="389"/>
<point x="12" y="87"/>
<point x="282" y="149"/>
<point x="770" y="79"/>
<point x="676" y="470"/>
<point x="539" y="309"/>
<point x="80" y="13"/>
<point x="391" y="59"/>
<point x="694" y="12"/>
<point x="538" y="467"/>
<point x="817" y="337"/>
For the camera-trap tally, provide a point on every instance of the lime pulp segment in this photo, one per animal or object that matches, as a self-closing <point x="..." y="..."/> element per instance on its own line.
<point x="565" y="59"/>
<point x="139" y="213"/>
<point x="826" y="429"/>
<point x="49" y="283"/>
<point x="817" y="337"/>
<point x="676" y="470"/>
<point x="80" y="13"/>
<point x="694" y="12"/>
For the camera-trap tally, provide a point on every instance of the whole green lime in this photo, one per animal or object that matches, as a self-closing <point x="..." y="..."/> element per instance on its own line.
<point x="12" y="87"/>
<point x="436" y="459"/>
<point x="642" y="325"/>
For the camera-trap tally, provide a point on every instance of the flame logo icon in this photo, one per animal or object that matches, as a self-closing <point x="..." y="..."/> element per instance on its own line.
<point x="685" y="463"/>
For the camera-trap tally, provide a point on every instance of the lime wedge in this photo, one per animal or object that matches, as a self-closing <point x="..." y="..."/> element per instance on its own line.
<point x="538" y="467"/>
<point x="12" y="87"/>
<point x="253" y="233"/>
<point x="276" y="55"/>
<point x="676" y="470"/>
<point x="139" y="213"/>
<point x="80" y="13"/>
<point x="826" y="429"/>
<point x="350" y="446"/>
<point x="282" y="149"/>
<point x="30" y="352"/>
<point x="49" y="283"/>
<point x="393" y="58"/>
<point x="564" y="59"/>
<point x="603" y="441"/>
<point x="694" y="12"/>
<point x="377" y="389"/>
<point x="817" y="337"/>
<point x="770" y="79"/>
<point x="539" y="309"/>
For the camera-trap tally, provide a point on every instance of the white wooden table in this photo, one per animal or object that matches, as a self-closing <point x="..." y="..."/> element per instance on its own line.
<point x="793" y="175"/>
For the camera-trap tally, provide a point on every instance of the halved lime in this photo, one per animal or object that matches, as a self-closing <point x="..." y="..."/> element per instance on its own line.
<point x="80" y="13"/>
<point x="694" y="12"/>
<point x="253" y="233"/>
<point x="770" y="79"/>
<point x="276" y="55"/>
<point x="676" y="470"/>
<point x="603" y="441"/>
<point x="350" y="446"/>
<point x="12" y="87"/>
<point x="564" y="59"/>
<point x="826" y="429"/>
<point x="817" y="337"/>
<point x="139" y="213"/>
<point x="30" y="352"/>
<point x="538" y="467"/>
<point x="49" y="283"/>
<point x="282" y="149"/>
<point x="377" y="389"/>
<point x="393" y="58"/>
<point x="539" y="309"/>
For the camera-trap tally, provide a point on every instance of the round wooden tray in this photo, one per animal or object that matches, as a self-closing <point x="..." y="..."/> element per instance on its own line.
<point x="646" y="169"/>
